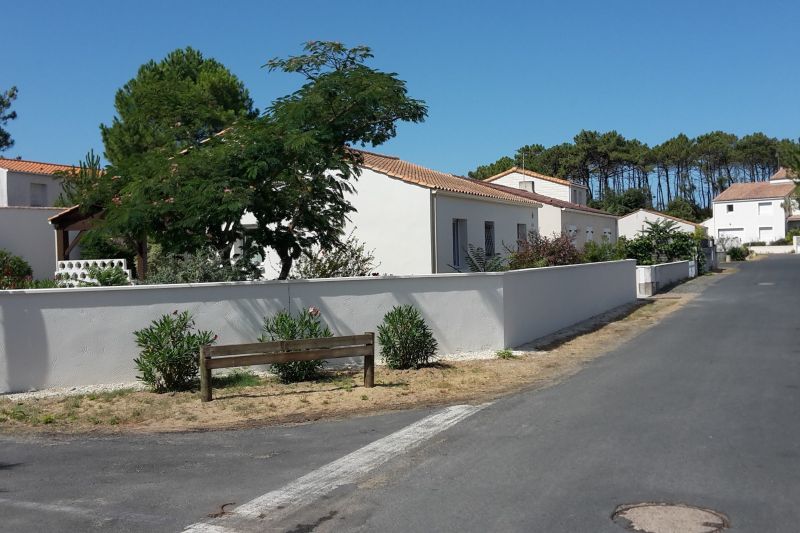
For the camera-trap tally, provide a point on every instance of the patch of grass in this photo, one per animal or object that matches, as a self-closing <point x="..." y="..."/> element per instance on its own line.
<point x="364" y="397"/>
<point x="237" y="379"/>
<point x="505" y="354"/>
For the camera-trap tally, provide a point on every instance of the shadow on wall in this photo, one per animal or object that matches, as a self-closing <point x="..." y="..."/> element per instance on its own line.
<point x="461" y="320"/>
<point x="26" y="355"/>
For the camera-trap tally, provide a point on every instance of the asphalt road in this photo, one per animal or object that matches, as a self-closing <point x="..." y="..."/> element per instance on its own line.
<point x="700" y="409"/>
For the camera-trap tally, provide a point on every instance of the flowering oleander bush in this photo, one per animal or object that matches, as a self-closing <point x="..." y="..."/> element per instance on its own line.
<point x="169" y="360"/>
<point x="15" y="272"/>
<point x="286" y="327"/>
<point x="405" y="338"/>
<point x="541" y="251"/>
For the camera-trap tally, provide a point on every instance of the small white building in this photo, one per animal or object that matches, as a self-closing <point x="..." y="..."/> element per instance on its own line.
<point x="550" y="186"/>
<point x="753" y="212"/>
<point x="633" y="224"/>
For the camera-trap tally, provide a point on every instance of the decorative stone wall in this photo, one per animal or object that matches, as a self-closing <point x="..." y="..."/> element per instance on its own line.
<point x="78" y="269"/>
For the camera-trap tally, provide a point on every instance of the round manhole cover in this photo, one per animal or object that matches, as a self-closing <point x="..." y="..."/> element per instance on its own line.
<point x="669" y="518"/>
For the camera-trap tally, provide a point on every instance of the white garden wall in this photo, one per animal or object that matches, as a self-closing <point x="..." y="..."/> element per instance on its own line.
<point x="25" y="231"/>
<point x="774" y="249"/>
<point x="83" y="336"/>
<point x="541" y="301"/>
<point x="650" y="279"/>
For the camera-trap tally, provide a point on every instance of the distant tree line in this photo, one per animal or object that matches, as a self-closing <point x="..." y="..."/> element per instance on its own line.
<point x="690" y="170"/>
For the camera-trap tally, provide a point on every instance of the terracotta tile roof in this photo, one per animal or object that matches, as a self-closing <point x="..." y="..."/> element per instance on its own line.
<point x="755" y="191"/>
<point x="793" y="218"/>
<point x="658" y="213"/>
<point x="550" y="201"/>
<point x="433" y="179"/>
<point x="33" y="167"/>
<point x="784" y="174"/>
<point x="533" y="174"/>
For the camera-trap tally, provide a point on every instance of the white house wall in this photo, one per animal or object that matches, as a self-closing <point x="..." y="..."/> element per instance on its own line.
<point x="393" y="218"/>
<point x="582" y="220"/>
<point x="18" y="188"/>
<point x="632" y="225"/>
<point x="3" y="187"/>
<point x="25" y="231"/>
<point x="745" y="216"/>
<point x="554" y="221"/>
<point x="476" y="211"/>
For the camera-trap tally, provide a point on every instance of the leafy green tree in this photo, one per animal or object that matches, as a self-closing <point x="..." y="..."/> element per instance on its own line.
<point x="624" y="203"/>
<point x="296" y="157"/>
<point x="492" y="169"/>
<point x="683" y="208"/>
<point x="6" y="99"/>
<point x="350" y="258"/>
<point x="169" y="107"/>
<point x="185" y="177"/>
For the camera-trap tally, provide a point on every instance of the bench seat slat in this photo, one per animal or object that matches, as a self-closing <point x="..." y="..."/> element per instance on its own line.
<point x="288" y="346"/>
<point x="285" y="357"/>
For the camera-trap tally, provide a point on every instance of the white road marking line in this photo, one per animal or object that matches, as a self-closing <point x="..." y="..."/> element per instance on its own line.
<point x="207" y="528"/>
<point x="343" y="471"/>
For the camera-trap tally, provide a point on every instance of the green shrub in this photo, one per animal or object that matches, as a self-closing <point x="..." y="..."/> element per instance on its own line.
<point x="203" y="266"/>
<point x="14" y="271"/>
<point x="738" y="253"/>
<point x="539" y="251"/>
<point x="594" y="252"/>
<point x="505" y="354"/>
<point x="478" y="261"/>
<point x="349" y="259"/>
<point x="107" y="276"/>
<point x="792" y="233"/>
<point x="170" y="352"/>
<point x="406" y="340"/>
<point x="781" y="242"/>
<point x="285" y="327"/>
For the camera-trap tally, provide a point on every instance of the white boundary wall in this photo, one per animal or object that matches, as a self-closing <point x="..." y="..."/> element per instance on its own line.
<point x="651" y="279"/>
<point x="83" y="336"/>
<point x="773" y="249"/>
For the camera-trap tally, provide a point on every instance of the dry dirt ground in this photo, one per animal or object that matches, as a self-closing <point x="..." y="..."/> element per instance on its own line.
<point x="251" y="400"/>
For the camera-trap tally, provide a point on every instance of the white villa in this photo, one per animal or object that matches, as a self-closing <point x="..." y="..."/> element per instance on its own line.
<point x="751" y="212"/>
<point x="420" y="221"/>
<point x="633" y="224"/>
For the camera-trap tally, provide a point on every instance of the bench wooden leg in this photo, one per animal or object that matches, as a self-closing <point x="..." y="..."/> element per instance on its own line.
<point x="369" y="365"/>
<point x="205" y="377"/>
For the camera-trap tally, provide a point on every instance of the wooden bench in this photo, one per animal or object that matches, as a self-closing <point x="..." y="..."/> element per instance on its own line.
<point x="267" y="353"/>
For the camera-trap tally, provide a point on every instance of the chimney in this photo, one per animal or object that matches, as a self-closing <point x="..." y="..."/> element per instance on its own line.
<point x="526" y="186"/>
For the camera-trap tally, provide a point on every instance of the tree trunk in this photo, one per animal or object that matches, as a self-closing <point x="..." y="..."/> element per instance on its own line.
<point x="141" y="258"/>
<point x="286" y="264"/>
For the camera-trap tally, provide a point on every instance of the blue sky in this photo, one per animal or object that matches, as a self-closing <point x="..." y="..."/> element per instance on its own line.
<point x="495" y="75"/>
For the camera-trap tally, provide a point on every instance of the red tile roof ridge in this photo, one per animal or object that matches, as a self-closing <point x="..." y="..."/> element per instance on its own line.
<point x="659" y="213"/>
<point x="754" y="190"/>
